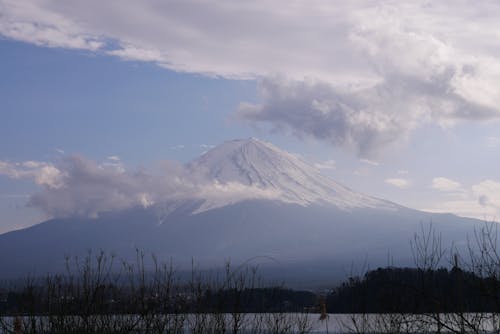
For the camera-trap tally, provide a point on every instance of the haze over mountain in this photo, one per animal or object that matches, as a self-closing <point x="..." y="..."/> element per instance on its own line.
<point x="260" y="202"/>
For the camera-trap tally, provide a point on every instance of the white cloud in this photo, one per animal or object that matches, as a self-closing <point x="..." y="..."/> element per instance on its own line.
<point x="113" y="162"/>
<point x="481" y="200"/>
<point x="78" y="186"/>
<point x="130" y="52"/>
<point x="365" y="121"/>
<point x="35" y="22"/>
<point x="369" y="162"/>
<point x="464" y="208"/>
<point x="216" y="193"/>
<point x="487" y="193"/>
<point x="42" y="173"/>
<point x="361" y="74"/>
<point x="398" y="182"/>
<point x="403" y="172"/>
<point x="328" y="164"/>
<point x="446" y="185"/>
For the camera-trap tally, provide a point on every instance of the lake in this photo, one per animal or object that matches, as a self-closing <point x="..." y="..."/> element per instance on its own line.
<point x="271" y="323"/>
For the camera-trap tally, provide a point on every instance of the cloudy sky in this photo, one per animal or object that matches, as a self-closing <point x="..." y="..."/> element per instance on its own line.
<point x="397" y="99"/>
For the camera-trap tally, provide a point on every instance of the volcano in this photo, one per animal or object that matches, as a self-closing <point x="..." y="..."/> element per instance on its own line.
<point x="261" y="203"/>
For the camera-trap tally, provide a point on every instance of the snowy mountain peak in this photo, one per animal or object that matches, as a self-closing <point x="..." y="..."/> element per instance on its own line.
<point x="247" y="161"/>
<point x="264" y="169"/>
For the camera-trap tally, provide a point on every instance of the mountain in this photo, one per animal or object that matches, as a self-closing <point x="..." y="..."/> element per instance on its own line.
<point x="262" y="166"/>
<point x="255" y="202"/>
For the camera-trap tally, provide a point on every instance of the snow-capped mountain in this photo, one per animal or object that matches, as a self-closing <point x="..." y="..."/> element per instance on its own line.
<point x="250" y="199"/>
<point x="258" y="170"/>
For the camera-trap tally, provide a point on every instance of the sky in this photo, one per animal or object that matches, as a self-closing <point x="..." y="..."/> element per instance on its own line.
<point x="396" y="99"/>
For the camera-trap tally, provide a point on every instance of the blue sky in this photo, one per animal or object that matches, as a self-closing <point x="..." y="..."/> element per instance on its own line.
<point x="399" y="107"/>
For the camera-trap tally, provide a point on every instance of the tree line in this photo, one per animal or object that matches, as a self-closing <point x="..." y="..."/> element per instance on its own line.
<point x="98" y="294"/>
<point x="414" y="290"/>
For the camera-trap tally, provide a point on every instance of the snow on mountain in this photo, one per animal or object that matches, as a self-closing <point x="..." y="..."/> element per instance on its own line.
<point x="253" y="169"/>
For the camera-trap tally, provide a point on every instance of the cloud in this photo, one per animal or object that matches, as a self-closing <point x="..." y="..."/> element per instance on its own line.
<point x="206" y="148"/>
<point x="360" y="74"/>
<point x="446" y="185"/>
<point x="464" y="208"/>
<point x="318" y="110"/>
<point x="32" y="22"/>
<point x="88" y="188"/>
<point x="487" y="193"/>
<point x="364" y="120"/>
<point x="77" y="186"/>
<point x="216" y="193"/>
<point x="113" y="162"/>
<point x="398" y="182"/>
<point x="369" y="162"/>
<point x="328" y="164"/>
<point x="481" y="200"/>
<point x="219" y="38"/>
<point x="42" y="173"/>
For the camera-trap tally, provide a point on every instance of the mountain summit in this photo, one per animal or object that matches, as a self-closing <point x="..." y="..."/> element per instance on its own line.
<point x="270" y="172"/>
